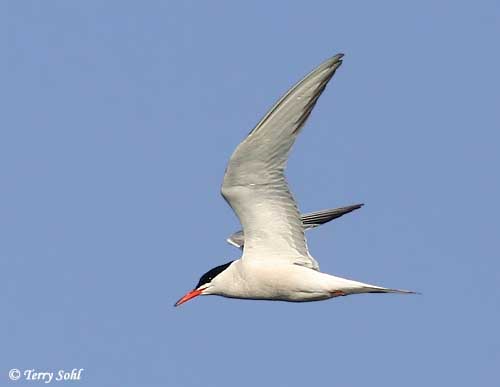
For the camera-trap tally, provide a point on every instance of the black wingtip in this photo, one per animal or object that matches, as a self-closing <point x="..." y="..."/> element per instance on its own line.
<point x="334" y="61"/>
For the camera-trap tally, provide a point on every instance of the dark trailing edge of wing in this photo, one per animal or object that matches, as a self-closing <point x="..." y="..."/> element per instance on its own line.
<point x="314" y="219"/>
<point x="310" y="106"/>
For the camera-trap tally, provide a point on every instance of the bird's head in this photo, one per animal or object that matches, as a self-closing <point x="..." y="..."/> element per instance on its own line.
<point x="206" y="285"/>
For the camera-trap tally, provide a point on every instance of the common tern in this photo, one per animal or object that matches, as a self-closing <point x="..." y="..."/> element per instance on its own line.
<point x="276" y="263"/>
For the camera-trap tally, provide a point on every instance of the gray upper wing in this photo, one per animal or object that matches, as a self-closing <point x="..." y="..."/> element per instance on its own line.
<point x="309" y="221"/>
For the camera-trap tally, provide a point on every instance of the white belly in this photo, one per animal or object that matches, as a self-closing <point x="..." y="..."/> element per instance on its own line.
<point x="270" y="281"/>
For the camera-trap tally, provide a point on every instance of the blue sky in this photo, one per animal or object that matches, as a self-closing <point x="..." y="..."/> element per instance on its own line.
<point x="118" y="119"/>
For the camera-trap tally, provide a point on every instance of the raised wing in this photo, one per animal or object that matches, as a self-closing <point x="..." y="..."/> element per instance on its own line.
<point x="309" y="221"/>
<point x="254" y="183"/>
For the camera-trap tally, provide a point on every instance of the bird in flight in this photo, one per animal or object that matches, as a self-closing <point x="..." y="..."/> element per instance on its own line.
<point x="276" y="263"/>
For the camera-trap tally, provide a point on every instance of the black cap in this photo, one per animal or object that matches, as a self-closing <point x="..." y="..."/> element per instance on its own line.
<point x="212" y="273"/>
